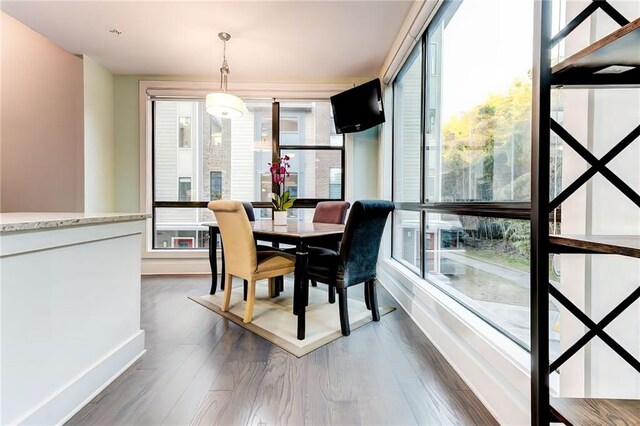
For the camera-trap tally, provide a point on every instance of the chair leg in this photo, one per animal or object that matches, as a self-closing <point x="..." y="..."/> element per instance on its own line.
<point x="344" y="311"/>
<point x="314" y="283"/>
<point x="244" y="290"/>
<point x="273" y="289"/>
<point x="332" y="294"/>
<point x="227" y="293"/>
<point x="222" y="272"/>
<point x="248" y="311"/>
<point x="367" y="295"/>
<point x="280" y="281"/>
<point x="373" y="299"/>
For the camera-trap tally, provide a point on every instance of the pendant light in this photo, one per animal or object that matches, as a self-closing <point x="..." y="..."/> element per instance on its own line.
<point x="222" y="104"/>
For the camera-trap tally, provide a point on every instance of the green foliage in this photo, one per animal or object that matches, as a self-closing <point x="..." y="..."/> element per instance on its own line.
<point x="284" y="202"/>
<point x="518" y="233"/>
<point x="488" y="146"/>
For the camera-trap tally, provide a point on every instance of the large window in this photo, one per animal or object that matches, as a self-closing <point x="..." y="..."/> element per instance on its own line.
<point x="461" y="159"/>
<point x="228" y="159"/>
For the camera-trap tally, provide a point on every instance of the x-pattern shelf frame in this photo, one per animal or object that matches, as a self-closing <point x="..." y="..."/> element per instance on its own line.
<point x="544" y="80"/>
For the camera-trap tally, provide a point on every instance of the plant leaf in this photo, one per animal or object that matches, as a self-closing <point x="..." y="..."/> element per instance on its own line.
<point x="289" y="204"/>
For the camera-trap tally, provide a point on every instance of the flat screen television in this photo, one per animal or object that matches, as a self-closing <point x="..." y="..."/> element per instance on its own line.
<point x="359" y="108"/>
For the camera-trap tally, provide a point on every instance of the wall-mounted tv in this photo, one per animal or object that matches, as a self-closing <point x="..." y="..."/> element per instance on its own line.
<point x="359" y="108"/>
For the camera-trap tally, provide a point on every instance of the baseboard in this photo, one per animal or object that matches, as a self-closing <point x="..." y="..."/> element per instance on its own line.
<point x="500" y="384"/>
<point x="68" y="400"/>
<point x="160" y="266"/>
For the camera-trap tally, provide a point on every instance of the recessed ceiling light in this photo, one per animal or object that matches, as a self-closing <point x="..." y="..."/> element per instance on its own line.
<point x="614" y="69"/>
<point x="115" y="31"/>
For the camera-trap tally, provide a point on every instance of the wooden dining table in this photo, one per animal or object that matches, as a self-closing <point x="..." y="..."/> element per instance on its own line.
<point x="297" y="233"/>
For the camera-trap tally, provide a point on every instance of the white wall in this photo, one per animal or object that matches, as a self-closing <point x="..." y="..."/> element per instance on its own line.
<point x="99" y="145"/>
<point x="363" y="167"/>
<point x="42" y="155"/>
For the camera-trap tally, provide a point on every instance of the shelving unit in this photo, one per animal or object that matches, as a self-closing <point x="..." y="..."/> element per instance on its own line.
<point x="590" y="67"/>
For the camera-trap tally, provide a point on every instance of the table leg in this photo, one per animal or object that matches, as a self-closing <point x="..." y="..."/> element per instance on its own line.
<point x="222" y="277"/>
<point x="213" y="262"/>
<point x="299" y="294"/>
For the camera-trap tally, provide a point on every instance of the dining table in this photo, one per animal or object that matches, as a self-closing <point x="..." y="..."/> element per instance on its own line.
<point x="298" y="233"/>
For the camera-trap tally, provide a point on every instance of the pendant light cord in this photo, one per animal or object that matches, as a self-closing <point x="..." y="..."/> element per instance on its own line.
<point x="224" y="69"/>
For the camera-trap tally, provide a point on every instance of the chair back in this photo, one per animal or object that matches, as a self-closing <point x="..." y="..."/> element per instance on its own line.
<point x="248" y="208"/>
<point x="361" y="240"/>
<point x="237" y="237"/>
<point x="331" y="212"/>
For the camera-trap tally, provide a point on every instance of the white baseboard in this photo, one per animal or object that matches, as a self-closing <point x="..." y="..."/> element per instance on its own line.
<point x="160" y="266"/>
<point x="68" y="400"/>
<point x="500" y="383"/>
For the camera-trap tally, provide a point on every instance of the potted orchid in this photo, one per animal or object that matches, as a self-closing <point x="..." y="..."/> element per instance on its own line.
<point x="281" y="199"/>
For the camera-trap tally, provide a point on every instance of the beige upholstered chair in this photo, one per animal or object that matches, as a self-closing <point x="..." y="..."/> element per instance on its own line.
<point x="242" y="260"/>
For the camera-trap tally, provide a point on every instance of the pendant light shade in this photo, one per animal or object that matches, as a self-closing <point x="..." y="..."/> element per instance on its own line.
<point x="225" y="105"/>
<point x="222" y="104"/>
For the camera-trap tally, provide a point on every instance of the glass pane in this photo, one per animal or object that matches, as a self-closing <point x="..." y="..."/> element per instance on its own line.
<point x="483" y="263"/>
<point x="406" y="128"/>
<point x="314" y="174"/>
<point x="406" y="238"/>
<point x="478" y="129"/>
<point x="216" y="159"/>
<point x="182" y="228"/>
<point x="307" y="123"/>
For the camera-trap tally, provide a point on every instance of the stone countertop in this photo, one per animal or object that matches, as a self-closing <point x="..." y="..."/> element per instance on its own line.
<point x="27" y="221"/>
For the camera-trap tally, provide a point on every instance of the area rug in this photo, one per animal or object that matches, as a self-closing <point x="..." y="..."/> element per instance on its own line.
<point x="273" y="318"/>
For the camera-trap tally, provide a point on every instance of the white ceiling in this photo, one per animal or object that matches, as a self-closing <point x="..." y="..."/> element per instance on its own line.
<point x="271" y="40"/>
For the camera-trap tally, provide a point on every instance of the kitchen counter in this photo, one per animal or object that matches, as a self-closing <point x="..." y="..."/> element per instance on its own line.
<point x="10" y="222"/>
<point x="69" y="310"/>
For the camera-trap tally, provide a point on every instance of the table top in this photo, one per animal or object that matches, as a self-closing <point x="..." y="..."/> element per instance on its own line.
<point x="293" y="228"/>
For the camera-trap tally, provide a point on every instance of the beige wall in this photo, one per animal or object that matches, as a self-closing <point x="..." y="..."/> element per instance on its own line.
<point x="127" y="143"/>
<point x="41" y="143"/>
<point x="99" y="149"/>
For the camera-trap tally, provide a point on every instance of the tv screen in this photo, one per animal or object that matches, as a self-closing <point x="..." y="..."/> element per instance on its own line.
<point x="359" y="108"/>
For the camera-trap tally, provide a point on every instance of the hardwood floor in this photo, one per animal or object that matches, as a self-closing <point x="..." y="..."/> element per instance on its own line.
<point x="202" y="369"/>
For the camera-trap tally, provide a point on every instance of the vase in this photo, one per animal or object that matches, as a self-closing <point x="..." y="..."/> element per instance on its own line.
<point x="279" y="218"/>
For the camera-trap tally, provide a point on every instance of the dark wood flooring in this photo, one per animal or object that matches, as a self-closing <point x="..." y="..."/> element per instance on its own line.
<point x="202" y="369"/>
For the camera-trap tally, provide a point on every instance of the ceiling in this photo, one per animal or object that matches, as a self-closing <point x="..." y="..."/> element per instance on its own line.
<point x="271" y="40"/>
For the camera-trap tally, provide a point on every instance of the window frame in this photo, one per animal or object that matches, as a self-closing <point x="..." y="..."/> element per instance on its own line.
<point x="495" y="209"/>
<point x="304" y="203"/>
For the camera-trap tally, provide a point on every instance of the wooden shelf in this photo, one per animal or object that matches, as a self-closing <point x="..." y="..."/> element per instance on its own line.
<point x="622" y="47"/>
<point x="591" y="411"/>
<point x="626" y="245"/>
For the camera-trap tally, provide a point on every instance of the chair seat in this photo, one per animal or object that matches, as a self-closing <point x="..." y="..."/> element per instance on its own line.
<point x="324" y="264"/>
<point x="274" y="260"/>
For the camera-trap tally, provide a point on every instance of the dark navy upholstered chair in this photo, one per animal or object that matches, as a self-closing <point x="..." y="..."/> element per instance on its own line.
<point x="248" y="207"/>
<point x="356" y="260"/>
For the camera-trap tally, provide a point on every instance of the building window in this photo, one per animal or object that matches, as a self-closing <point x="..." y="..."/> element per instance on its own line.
<point x="215" y="186"/>
<point x="230" y="160"/>
<point x="335" y="182"/>
<point x="470" y="146"/>
<point x="184" y="189"/>
<point x="184" y="132"/>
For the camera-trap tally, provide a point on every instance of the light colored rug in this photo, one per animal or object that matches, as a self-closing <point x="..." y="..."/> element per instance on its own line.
<point x="273" y="318"/>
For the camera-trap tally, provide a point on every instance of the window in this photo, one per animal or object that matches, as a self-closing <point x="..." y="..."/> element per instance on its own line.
<point x="335" y="183"/>
<point x="215" y="186"/>
<point x="461" y="157"/>
<point x="229" y="160"/>
<point x="184" y="132"/>
<point x="316" y="152"/>
<point x="184" y="189"/>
